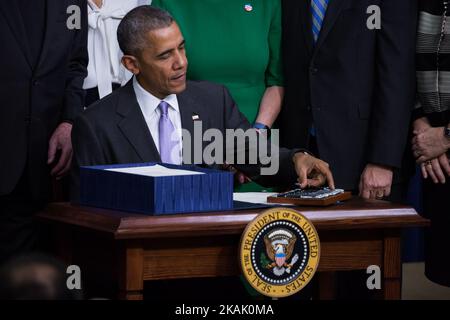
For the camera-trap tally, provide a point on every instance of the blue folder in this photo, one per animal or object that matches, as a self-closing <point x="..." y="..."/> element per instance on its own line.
<point x="211" y="191"/>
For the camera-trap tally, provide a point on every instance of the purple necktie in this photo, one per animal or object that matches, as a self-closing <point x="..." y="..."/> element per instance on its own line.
<point x="168" y="144"/>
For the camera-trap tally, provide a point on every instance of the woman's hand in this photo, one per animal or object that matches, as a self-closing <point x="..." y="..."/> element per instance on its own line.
<point x="436" y="168"/>
<point x="430" y="144"/>
<point x="420" y="125"/>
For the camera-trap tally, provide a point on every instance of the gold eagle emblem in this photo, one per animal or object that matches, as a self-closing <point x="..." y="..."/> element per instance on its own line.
<point x="279" y="248"/>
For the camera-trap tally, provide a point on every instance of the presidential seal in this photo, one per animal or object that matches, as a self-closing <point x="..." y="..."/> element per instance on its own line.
<point x="279" y="252"/>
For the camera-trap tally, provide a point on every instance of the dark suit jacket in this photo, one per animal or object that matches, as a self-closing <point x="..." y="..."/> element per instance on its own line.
<point x="33" y="101"/>
<point x="113" y="130"/>
<point x="356" y="84"/>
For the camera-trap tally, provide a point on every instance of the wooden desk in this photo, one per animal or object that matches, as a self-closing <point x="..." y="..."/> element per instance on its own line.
<point x="127" y="249"/>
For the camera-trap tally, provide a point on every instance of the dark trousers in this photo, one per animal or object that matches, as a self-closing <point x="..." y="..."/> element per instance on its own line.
<point x="436" y="206"/>
<point x="18" y="230"/>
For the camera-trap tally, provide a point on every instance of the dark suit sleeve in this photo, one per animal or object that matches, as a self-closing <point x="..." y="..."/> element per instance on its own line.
<point x="86" y="144"/>
<point x="394" y="92"/>
<point x="87" y="151"/>
<point x="285" y="174"/>
<point x="77" y="70"/>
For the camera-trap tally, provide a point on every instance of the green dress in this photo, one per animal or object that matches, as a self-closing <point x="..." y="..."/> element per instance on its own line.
<point x="236" y="43"/>
<point x="233" y="42"/>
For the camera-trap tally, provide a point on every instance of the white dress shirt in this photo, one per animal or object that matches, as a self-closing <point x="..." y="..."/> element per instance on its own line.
<point x="149" y="107"/>
<point x="105" y="56"/>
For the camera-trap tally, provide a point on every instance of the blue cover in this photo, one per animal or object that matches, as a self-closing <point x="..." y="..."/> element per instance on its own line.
<point x="211" y="191"/>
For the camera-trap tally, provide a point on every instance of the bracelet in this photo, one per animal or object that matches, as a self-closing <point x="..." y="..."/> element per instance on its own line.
<point x="261" y="126"/>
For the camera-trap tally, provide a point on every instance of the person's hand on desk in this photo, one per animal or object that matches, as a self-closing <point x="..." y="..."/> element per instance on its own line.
<point x="375" y="182"/>
<point x="312" y="172"/>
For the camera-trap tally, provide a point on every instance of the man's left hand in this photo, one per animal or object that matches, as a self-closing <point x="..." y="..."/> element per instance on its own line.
<point x="375" y="182"/>
<point x="429" y="144"/>
<point x="60" y="141"/>
<point x="312" y="172"/>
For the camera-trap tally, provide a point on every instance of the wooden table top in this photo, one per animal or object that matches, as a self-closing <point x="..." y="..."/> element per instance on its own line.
<point x="353" y="214"/>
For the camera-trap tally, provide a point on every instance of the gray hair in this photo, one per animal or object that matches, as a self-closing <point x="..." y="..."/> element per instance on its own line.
<point x="134" y="27"/>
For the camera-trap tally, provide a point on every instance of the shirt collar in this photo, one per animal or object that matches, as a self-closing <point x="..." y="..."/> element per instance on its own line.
<point x="149" y="102"/>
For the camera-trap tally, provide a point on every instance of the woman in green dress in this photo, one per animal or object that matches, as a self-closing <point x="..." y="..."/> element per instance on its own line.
<point x="236" y="43"/>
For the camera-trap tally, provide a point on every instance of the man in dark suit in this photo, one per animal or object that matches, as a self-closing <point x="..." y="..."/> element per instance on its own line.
<point x="349" y="81"/>
<point x="133" y="124"/>
<point x="43" y="64"/>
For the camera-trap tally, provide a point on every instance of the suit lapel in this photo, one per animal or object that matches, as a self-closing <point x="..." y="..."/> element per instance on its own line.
<point x="306" y="21"/>
<point x="190" y="113"/>
<point x="11" y="13"/>
<point x="187" y="112"/>
<point x="333" y="11"/>
<point x="133" y="125"/>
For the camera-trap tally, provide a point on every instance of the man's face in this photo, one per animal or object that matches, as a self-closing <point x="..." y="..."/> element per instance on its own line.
<point x="163" y="64"/>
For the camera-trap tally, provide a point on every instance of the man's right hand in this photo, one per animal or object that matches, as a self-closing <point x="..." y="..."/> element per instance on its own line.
<point x="312" y="172"/>
<point x="375" y="182"/>
<point x="60" y="141"/>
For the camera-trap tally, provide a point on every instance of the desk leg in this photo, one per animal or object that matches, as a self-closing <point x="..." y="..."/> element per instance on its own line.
<point x="131" y="272"/>
<point x="392" y="267"/>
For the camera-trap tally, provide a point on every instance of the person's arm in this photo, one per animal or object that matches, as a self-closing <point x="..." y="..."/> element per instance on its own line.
<point x="73" y="102"/>
<point x="394" y="96"/>
<point x="285" y="167"/>
<point x="77" y="70"/>
<point x="395" y="87"/>
<point x="270" y="105"/>
<point x="271" y="102"/>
